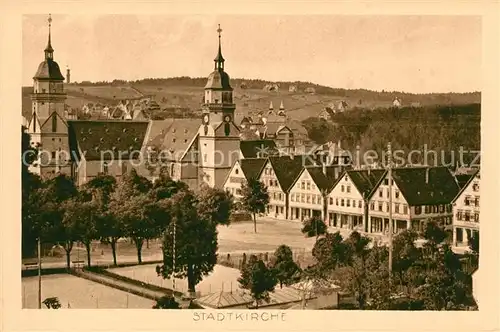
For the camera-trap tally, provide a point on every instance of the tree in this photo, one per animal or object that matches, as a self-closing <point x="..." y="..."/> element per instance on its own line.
<point x="245" y="278"/>
<point x="166" y="302"/>
<point x="405" y="254"/>
<point x="215" y="205"/>
<point x="354" y="273"/>
<point x="255" y="198"/>
<point x="195" y="241"/>
<point x="314" y="226"/>
<point x="283" y="266"/>
<point x="330" y="252"/>
<point x="259" y="280"/>
<point x="48" y="205"/>
<point x="473" y="243"/>
<point x="129" y="205"/>
<point x="109" y="228"/>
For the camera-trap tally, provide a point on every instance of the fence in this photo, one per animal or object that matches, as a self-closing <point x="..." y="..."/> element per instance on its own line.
<point x="235" y="260"/>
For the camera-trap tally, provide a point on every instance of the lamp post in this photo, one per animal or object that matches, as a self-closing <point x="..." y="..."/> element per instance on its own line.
<point x="389" y="162"/>
<point x="39" y="274"/>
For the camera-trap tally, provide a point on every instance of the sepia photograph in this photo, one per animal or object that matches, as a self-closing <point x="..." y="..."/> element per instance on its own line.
<point x="244" y="162"/>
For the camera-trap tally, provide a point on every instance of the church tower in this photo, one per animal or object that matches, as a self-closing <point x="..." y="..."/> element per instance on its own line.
<point x="218" y="135"/>
<point x="48" y="128"/>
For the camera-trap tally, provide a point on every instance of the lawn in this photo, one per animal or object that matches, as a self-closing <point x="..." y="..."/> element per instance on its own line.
<point x="78" y="293"/>
<point x="221" y="278"/>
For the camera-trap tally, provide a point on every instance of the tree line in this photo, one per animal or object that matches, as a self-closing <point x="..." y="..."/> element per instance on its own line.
<point x="437" y="128"/>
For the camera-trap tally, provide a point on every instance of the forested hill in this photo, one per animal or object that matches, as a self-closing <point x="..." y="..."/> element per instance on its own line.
<point x="438" y="128"/>
<point x="359" y="95"/>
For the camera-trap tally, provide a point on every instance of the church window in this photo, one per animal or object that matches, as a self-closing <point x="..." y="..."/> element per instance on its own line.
<point x="185" y="140"/>
<point x="53" y="155"/>
<point x="227" y="129"/>
<point x="173" y="140"/>
<point x="205" y="157"/>
<point x="54" y="123"/>
<point x="105" y="168"/>
<point x="236" y="171"/>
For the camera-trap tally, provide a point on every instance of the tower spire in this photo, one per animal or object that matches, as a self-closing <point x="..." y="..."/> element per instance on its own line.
<point x="219" y="60"/>
<point x="49" y="51"/>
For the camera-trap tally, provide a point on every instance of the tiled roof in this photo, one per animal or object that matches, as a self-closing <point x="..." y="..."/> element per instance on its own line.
<point x="94" y="137"/>
<point x="173" y="135"/>
<point x="252" y="167"/>
<point x="222" y="300"/>
<point x="464" y="181"/>
<point x="287" y="169"/>
<point x="325" y="182"/>
<point x="441" y="187"/>
<point x="366" y="180"/>
<point x="249" y="149"/>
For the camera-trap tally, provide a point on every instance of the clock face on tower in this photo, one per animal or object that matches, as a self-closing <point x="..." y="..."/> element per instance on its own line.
<point x="205" y="119"/>
<point x="227" y="118"/>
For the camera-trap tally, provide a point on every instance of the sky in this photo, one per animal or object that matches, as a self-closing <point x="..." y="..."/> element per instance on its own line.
<point x="418" y="54"/>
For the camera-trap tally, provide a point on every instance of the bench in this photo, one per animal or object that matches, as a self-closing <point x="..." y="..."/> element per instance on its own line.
<point x="30" y="266"/>
<point x="78" y="264"/>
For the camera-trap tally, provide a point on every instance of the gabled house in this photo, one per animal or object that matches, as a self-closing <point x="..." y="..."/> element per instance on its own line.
<point x="419" y="194"/>
<point x="278" y="175"/>
<point x="242" y="171"/>
<point x="309" y="191"/>
<point x="347" y="200"/>
<point x="466" y="209"/>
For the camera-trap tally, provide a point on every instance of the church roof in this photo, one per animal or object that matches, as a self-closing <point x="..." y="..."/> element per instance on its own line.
<point x="49" y="70"/>
<point x="97" y="139"/>
<point x="173" y="135"/>
<point x="218" y="79"/>
<point x="251" y="149"/>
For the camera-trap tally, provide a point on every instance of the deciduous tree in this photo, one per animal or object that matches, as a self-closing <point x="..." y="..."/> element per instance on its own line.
<point x="314" y="226"/>
<point x="255" y="198"/>
<point x="195" y="241"/>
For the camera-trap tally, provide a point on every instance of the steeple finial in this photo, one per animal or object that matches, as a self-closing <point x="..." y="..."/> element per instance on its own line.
<point x="49" y="51"/>
<point x="219" y="60"/>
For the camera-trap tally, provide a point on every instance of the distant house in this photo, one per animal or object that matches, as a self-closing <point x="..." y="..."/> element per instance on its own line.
<point x="242" y="171"/>
<point x="342" y="106"/>
<point x="326" y="113"/>
<point x="292" y="88"/>
<point x="310" y="90"/>
<point x="396" y="102"/>
<point x="416" y="104"/>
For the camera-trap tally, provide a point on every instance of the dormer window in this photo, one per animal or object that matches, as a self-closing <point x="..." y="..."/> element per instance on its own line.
<point x="102" y="140"/>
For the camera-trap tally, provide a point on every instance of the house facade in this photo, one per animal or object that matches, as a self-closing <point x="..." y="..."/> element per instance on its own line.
<point x="347" y="200"/>
<point x="466" y="211"/>
<point x="419" y="194"/>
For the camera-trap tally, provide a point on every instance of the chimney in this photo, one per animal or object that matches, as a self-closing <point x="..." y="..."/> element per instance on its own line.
<point x="427" y="175"/>
<point x="68" y="77"/>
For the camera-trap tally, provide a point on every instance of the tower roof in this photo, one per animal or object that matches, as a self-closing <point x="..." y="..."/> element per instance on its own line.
<point x="219" y="58"/>
<point x="219" y="79"/>
<point x="49" y="69"/>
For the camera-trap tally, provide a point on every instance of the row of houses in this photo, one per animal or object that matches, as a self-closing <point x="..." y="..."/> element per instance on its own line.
<point x="358" y="199"/>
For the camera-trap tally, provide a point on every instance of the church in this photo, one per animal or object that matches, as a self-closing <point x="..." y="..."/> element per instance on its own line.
<point x="196" y="151"/>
